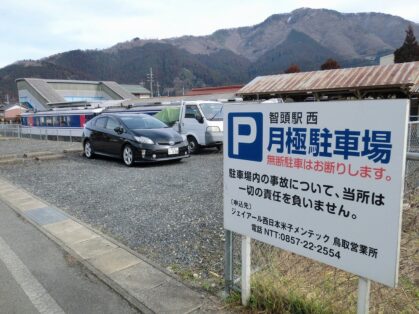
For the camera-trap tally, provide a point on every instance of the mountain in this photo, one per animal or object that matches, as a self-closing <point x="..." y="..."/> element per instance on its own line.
<point x="297" y="48"/>
<point x="304" y="36"/>
<point x="352" y="36"/>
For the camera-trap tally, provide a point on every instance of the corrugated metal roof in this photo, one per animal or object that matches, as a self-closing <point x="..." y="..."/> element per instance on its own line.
<point x="415" y="89"/>
<point x="400" y="74"/>
<point x="165" y="99"/>
<point x="214" y="90"/>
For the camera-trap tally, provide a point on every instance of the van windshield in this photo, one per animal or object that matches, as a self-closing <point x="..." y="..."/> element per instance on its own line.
<point x="212" y="111"/>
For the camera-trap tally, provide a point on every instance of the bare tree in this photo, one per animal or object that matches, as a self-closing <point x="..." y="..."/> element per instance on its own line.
<point x="293" y="68"/>
<point x="330" y="64"/>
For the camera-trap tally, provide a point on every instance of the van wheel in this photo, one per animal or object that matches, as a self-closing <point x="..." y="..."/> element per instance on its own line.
<point x="88" y="150"/>
<point x="193" y="145"/>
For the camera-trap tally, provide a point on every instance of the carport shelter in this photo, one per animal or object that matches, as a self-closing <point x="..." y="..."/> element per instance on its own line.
<point x="400" y="80"/>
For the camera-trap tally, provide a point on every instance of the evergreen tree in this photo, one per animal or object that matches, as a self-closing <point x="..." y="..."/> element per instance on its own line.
<point x="330" y="64"/>
<point x="409" y="51"/>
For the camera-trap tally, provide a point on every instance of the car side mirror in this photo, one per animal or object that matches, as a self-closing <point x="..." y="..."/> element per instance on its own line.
<point x="119" y="130"/>
<point x="199" y="117"/>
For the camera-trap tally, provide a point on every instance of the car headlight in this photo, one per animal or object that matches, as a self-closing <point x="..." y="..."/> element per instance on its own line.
<point x="143" y="140"/>
<point x="212" y="129"/>
<point x="184" y="137"/>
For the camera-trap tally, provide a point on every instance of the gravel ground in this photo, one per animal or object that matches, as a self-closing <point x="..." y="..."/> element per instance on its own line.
<point x="171" y="212"/>
<point x="21" y="146"/>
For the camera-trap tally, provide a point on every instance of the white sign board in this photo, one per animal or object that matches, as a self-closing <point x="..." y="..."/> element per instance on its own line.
<point x="323" y="180"/>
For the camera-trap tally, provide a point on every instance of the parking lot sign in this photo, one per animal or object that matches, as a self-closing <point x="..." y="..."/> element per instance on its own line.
<point x="323" y="180"/>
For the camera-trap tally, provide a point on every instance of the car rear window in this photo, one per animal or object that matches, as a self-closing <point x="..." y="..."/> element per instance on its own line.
<point x="101" y="122"/>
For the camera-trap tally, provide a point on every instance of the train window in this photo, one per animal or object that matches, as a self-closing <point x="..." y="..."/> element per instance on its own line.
<point x="41" y="121"/>
<point x="48" y="121"/>
<point x="101" y="122"/>
<point x="64" y="121"/>
<point x="55" y="121"/>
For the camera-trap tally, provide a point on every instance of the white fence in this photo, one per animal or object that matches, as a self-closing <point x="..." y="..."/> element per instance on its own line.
<point x="412" y="166"/>
<point x="413" y="137"/>
<point x="17" y="131"/>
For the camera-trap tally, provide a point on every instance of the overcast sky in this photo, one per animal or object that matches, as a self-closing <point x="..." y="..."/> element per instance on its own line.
<point x="32" y="29"/>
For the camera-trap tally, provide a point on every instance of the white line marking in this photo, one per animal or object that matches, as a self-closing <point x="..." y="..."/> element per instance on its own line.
<point x="36" y="293"/>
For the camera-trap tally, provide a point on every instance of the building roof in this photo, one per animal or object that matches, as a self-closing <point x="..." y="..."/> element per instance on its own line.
<point x="15" y="106"/>
<point x="164" y="99"/>
<point x="45" y="90"/>
<point x="116" y="88"/>
<point x="135" y="89"/>
<point x="5" y="107"/>
<point x="415" y="88"/>
<point x="392" y="75"/>
<point x="214" y="90"/>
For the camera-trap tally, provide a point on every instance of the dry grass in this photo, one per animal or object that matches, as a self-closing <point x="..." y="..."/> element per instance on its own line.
<point x="288" y="283"/>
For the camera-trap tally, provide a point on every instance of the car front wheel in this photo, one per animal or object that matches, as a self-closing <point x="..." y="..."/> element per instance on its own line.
<point x="88" y="150"/>
<point x="128" y="156"/>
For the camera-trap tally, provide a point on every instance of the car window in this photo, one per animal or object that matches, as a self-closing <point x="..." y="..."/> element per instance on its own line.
<point x="101" y="122"/>
<point x="112" y="124"/>
<point x="142" y="122"/>
<point x="190" y="111"/>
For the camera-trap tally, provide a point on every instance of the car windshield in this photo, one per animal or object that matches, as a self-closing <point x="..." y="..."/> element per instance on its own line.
<point x="212" y="111"/>
<point x="142" y="122"/>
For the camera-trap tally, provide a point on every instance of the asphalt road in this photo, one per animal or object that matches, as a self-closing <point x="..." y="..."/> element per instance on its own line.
<point x="38" y="276"/>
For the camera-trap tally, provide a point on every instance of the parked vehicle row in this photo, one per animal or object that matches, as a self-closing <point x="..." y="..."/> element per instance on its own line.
<point x="198" y="123"/>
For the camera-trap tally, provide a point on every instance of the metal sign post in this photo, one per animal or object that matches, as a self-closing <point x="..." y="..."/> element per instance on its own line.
<point x="228" y="261"/>
<point x="363" y="295"/>
<point x="245" y="270"/>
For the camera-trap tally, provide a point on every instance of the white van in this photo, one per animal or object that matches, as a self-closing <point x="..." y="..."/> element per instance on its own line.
<point x="201" y="122"/>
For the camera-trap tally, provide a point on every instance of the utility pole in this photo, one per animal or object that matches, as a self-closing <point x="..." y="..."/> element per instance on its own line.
<point x="158" y="88"/>
<point x="151" y="79"/>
